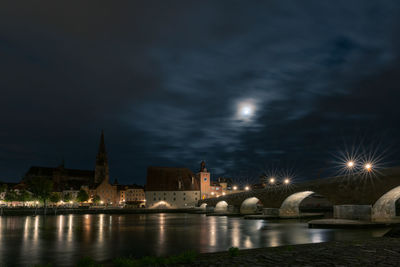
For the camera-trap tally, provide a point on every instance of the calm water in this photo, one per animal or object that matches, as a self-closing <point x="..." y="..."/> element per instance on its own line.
<point x="64" y="239"/>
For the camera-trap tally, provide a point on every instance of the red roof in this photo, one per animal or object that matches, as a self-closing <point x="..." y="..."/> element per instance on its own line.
<point x="169" y="179"/>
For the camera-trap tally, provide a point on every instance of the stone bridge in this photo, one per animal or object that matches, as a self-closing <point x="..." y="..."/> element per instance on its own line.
<point x="359" y="196"/>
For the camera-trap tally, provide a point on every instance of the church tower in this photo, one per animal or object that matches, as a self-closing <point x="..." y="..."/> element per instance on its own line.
<point x="204" y="176"/>
<point x="101" y="170"/>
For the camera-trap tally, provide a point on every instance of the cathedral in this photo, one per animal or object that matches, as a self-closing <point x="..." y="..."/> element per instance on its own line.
<point x="95" y="182"/>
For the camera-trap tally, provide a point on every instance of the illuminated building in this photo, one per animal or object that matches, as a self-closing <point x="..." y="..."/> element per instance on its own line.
<point x="168" y="187"/>
<point x="131" y="195"/>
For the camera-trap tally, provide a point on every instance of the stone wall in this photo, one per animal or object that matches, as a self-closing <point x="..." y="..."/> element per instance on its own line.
<point x="352" y="212"/>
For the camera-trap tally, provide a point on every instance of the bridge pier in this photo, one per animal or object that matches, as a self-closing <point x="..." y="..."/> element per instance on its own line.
<point x="352" y="212"/>
<point x="233" y="209"/>
<point x="270" y="211"/>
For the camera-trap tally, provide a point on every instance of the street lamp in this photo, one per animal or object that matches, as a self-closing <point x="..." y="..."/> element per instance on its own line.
<point x="235" y="187"/>
<point x="247" y="188"/>
<point x="368" y="166"/>
<point x="350" y="164"/>
<point x="286" y="181"/>
<point x="271" y="180"/>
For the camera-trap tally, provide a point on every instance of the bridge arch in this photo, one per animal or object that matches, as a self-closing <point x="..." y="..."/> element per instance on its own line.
<point x="161" y="205"/>
<point x="385" y="207"/>
<point x="221" y="206"/>
<point x="291" y="205"/>
<point x="203" y="206"/>
<point x="251" y="205"/>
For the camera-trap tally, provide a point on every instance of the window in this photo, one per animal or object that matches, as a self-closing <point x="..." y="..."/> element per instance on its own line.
<point x="174" y="199"/>
<point x="164" y="198"/>
<point x="174" y="193"/>
<point x="184" y="198"/>
<point x="195" y="198"/>
<point x="159" y="198"/>
<point x="154" y="199"/>
<point x="195" y="193"/>
<point x="184" y="194"/>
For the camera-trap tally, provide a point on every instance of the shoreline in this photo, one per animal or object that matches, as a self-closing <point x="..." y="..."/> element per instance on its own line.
<point x="83" y="211"/>
<point x="369" y="252"/>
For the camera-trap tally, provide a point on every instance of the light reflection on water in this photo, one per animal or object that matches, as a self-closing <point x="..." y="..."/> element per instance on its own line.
<point x="64" y="239"/>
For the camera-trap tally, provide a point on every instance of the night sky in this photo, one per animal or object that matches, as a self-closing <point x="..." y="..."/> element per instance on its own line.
<point x="247" y="86"/>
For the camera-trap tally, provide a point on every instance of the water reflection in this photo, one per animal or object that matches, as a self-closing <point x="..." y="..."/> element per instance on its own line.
<point x="28" y="240"/>
<point x="212" y="226"/>
<point x="101" y="228"/>
<point x="235" y="233"/>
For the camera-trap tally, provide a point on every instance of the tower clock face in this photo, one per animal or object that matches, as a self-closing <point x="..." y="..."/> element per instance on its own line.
<point x="205" y="179"/>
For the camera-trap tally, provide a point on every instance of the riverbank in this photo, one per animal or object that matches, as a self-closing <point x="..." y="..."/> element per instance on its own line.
<point x="62" y="211"/>
<point x="384" y="251"/>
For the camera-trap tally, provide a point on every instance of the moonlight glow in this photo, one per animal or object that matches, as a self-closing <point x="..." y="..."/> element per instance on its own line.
<point x="246" y="110"/>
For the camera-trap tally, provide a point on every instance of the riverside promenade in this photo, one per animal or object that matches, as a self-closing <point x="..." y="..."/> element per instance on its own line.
<point x="384" y="251"/>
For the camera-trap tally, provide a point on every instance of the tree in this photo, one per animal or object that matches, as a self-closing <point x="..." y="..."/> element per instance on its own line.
<point x="82" y="196"/>
<point x="55" y="197"/>
<point x="96" y="199"/>
<point x="10" y="196"/>
<point x="67" y="197"/>
<point x="24" y="196"/>
<point x="41" y="189"/>
<point x="3" y="188"/>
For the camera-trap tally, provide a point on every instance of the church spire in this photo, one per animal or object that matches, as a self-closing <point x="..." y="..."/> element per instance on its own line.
<point x="102" y="146"/>
<point x="101" y="170"/>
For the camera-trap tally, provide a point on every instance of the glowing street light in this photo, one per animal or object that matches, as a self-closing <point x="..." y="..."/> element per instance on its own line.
<point x="212" y="193"/>
<point x="235" y="187"/>
<point x="271" y="180"/>
<point x="350" y="164"/>
<point x="368" y="166"/>
<point x="223" y="193"/>
<point x="247" y="188"/>
<point x="286" y="181"/>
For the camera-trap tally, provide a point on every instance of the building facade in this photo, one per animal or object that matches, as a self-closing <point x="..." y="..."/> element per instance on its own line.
<point x="131" y="195"/>
<point x="168" y="187"/>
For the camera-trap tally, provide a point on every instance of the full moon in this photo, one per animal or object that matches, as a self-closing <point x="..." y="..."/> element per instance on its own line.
<point x="245" y="110"/>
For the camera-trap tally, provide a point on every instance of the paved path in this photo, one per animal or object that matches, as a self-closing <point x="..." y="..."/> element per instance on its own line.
<point x="371" y="252"/>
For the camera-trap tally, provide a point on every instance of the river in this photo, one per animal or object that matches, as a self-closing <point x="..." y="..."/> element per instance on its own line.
<point x="62" y="240"/>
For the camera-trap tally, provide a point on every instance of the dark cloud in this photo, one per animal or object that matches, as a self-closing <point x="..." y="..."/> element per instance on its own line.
<point x="164" y="79"/>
